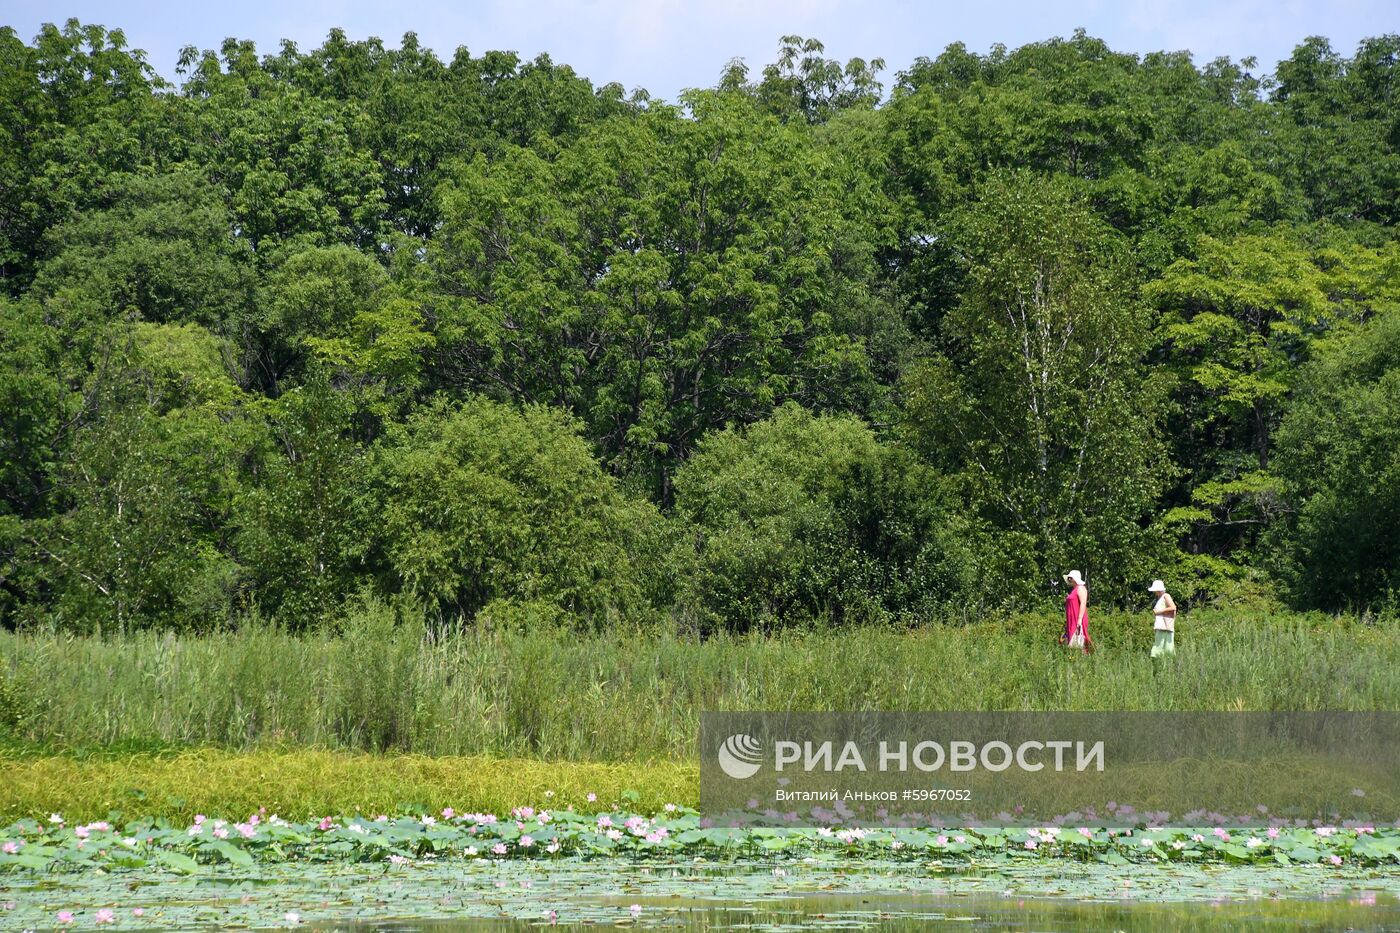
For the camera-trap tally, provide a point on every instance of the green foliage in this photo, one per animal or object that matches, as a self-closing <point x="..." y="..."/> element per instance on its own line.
<point x="802" y="84"/>
<point x="485" y="501"/>
<point x="663" y="277"/>
<point x="141" y="498"/>
<point x="359" y="323"/>
<point x="1038" y="400"/>
<point x="1341" y="123"/>
<point x="78" y="107"/>
<point x="290" y="163"/>
<point x="334" y="309"/>
<point x="1339" y="452"/>
<point x="157" y="248"/>
<point x="1238" y="320"/>
<point x="303" y="522"/>
<point x="803" y="516"/>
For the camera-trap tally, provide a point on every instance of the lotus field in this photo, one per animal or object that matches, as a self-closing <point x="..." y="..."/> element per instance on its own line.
<point x="560" y="865"/>
<point x="529" y="833"/>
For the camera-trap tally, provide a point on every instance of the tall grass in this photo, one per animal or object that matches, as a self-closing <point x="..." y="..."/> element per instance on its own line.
<point x="383" y="684"/>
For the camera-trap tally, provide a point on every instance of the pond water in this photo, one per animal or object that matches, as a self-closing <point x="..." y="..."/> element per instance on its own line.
<point x="793" y="895"/>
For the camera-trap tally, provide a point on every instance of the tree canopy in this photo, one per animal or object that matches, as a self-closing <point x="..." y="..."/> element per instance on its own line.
<point x="816" y="344"/>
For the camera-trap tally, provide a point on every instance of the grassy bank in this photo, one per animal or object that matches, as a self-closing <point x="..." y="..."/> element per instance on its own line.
<point x="309" y="784"/>
<point x="636" y="696"/>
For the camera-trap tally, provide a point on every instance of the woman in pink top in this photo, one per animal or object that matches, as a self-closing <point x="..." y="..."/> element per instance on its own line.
<point x="1077" y="613"/>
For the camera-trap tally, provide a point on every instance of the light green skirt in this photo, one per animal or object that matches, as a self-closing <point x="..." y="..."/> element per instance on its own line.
<point x="1163" y="643"/>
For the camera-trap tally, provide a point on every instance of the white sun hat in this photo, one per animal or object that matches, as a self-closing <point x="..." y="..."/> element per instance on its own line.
<point x="1076" y="577"/>
<point x="1157" y="587"/>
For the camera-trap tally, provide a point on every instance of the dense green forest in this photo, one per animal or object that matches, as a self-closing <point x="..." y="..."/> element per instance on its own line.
<point x="818" y="343"/>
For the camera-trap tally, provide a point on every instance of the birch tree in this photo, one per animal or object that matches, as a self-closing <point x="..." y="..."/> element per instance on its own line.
<point x="1038" y="395"/>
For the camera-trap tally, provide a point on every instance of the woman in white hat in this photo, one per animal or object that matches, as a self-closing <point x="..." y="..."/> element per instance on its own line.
<point x="1077" y="613"/>
<point x="1163" y="621"/>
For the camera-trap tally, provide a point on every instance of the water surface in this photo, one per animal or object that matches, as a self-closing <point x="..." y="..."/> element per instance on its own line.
<point x="767" y="896"/>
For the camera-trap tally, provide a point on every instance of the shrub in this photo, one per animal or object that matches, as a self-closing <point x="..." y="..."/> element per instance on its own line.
<point x="487" y="501"/>
<point x="803" y="515"/>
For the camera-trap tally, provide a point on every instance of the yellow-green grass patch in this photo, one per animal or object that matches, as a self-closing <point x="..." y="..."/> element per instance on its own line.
<point x="312" y="783"/>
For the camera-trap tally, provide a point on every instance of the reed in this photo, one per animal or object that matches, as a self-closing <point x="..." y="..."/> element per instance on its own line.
<point x="386" y="684"/>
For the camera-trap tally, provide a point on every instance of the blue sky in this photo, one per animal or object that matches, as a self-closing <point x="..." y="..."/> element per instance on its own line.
<point x="668" y="45"/>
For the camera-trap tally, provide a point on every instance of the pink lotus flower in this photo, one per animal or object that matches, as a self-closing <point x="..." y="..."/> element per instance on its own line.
<point x="11" y="848"/>
<point x="526" y="842"/>
<point x="220" y="832"/>
<point x="448" y="813"/>
<point x="138" y="911"/>
<point x="499" y="848"/>
<point x="1272" y="832"/>
<point x="1335" y="860"/>
<point x="636" y="909"/>
<point x="940" y="840"/>
<point x="325" y="824"/>
<point x="105" y="915"/>
<point x="592" y="798"/>
<point x="65" y="917"/>
<point x="1031" y="844"/>
<point x="81" y="832"/>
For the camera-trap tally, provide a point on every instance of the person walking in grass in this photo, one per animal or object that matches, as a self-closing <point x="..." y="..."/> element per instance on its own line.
<point x="1163" y="621"/>
<point x="1077" y="613"/>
